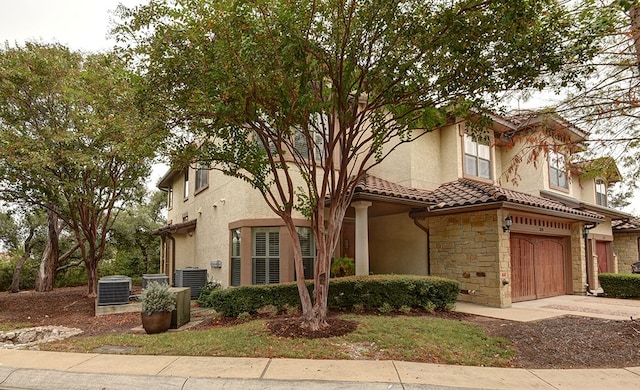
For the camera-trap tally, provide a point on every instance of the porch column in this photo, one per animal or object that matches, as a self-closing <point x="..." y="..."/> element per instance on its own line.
<point x="362" y="237"/>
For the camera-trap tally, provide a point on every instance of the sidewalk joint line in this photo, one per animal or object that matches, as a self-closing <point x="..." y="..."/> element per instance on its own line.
<point x="159" y="373"/>
<point x="537" y="376"/>
<point x="264" y="372"/>
<point x="13" y="369"/>
<point x="633" y="372"/>
<point x="95" y="355"/>
<point x="393" y="362"/>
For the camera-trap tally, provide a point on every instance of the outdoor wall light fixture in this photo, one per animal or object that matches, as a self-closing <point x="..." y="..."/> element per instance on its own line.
<point x="507" y="224"/>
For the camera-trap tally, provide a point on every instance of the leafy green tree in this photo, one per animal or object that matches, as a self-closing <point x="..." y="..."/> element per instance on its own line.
<point x="20" y="233"/>
<point x="132" y="235"/>
<point x="73" y="141"/>
<point x="608" y="104"/>
<point x="302" y="98"/>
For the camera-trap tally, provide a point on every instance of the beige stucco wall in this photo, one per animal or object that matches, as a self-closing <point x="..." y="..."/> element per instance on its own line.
<point x="431" y="160"/>
<point x="603" y="228"/>
<point x="224" y="201"/>
<point x="397" y="246"/>
<point x="472" y="248"/>
<point x="625" y="246"/>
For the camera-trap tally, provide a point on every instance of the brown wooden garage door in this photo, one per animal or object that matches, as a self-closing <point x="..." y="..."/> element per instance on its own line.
<point x="537" y="267"/>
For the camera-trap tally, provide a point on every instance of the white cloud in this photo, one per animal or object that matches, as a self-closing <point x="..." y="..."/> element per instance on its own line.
<point x="79" y="24"/>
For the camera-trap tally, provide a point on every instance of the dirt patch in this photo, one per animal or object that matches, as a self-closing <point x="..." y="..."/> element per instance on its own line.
<point x="564" y="342"/>
<point x="70" y="307"/>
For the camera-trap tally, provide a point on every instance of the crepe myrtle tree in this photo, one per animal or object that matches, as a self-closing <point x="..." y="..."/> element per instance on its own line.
<point x="301" y="98"/>
<point x="73" y="142"/>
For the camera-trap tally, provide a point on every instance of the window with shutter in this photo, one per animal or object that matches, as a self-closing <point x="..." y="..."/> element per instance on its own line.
<point x="307" y="245"/>
<point x="235" y="257"/>
<point x="266" y="255"/>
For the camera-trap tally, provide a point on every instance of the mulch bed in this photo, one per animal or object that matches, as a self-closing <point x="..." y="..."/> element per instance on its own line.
<point x="564" y="342"/>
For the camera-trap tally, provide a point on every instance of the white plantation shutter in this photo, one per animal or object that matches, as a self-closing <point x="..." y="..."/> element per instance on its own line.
<point x="235" y="257"/>
<point x="266" y="255"/>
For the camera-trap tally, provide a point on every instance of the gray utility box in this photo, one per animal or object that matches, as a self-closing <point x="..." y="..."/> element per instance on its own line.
<point x="160" y="278"/>
<point x="182" y="314"/>
<point x="194" y="278"/>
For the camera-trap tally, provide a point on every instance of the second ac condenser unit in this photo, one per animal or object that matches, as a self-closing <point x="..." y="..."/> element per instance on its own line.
<point x="194" y="278"/>
<point x="160" y="278"/>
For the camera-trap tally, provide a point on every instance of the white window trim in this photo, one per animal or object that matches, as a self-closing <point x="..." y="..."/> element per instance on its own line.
<point x="601" y="195"/>
<point x="469" y="138"/>
<point x="557" y="163"/>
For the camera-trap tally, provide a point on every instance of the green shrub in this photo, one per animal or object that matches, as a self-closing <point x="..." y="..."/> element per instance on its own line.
<point x="366" y="292"/>
<point x="385" y="308"/>
<point x="620" y="285"/>
<point x="27" y="274"/>
<point x="343" y="266"/>
<point x="74" y="276"/>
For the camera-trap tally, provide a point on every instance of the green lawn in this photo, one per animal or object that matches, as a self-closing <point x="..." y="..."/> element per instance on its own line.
<point x="408" y="338"/>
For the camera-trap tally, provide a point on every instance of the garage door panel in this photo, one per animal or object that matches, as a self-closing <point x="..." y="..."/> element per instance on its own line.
<point x="537" y="267"/>
<point x="523" y="278"/>
<point x="549" y="268"/>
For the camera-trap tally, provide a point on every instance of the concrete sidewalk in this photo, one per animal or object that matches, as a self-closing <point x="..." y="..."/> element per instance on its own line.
<point x="57" y="370"/>
<point x="20" y="369"/>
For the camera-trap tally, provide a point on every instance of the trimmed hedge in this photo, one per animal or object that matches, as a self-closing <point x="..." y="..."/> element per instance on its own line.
<point x="348" y="293"/>
<point x="620" y="285"/>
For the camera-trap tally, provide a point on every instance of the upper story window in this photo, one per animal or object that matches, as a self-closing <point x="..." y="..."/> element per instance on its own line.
<point x="477" y="157"/>
<point x="202" y="178"/>
<point x="318" y="123"/>
<point x="601" y="193"/>
<point x="558" y="170"/>
<point x="170" y="198"/>
<point x="308" y="248"/>
<point x="186" y="184"/>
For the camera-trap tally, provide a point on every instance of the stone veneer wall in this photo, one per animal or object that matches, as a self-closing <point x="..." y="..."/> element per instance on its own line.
<point x="578" y="253"/>
<point x="472" y="248"/>
<point x="625" y="246"/>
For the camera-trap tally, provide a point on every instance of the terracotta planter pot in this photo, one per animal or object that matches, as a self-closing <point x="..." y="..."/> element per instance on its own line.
<point x="156" y="322"/>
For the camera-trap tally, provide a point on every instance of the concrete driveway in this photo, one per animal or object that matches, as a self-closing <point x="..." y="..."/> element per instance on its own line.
<point x="579" y="305"/>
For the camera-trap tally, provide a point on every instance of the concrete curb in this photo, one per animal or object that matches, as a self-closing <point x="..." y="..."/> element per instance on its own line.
<point x="51" y="370"/>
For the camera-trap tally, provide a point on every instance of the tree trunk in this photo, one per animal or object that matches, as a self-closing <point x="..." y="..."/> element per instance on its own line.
<point x="50" y="257"/>
<point x="635" y="31"/>
<point x="15" y="283"/>
<point x="145" y="258"/>
<point x="92" y="276"/>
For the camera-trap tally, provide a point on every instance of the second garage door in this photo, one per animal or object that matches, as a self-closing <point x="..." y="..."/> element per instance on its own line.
<point x="537" y="267"/>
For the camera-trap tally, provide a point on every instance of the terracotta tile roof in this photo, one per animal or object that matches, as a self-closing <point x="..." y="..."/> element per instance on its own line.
<point x="623" y="225"/>
<point x="465" y="192"/>
<point x="374" y="185"/>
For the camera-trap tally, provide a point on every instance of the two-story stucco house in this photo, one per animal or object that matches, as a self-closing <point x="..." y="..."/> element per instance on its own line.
<point x="441" y="205"/>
